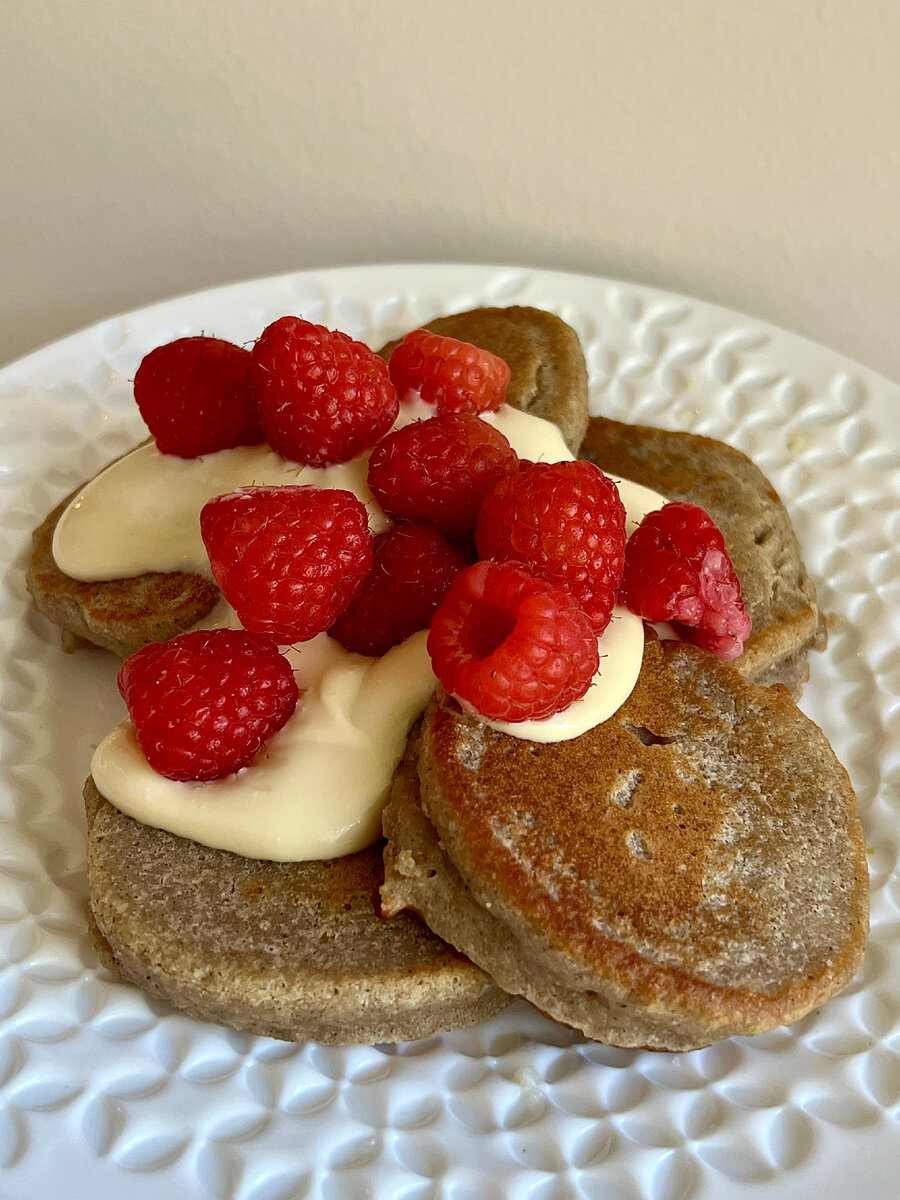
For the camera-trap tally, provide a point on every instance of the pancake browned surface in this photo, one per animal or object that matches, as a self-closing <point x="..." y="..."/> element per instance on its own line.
<point x="288" y="950"/>
<point x="691" y="869"/>
<point x="547" y="375"/>
<point x="778" y="594"/>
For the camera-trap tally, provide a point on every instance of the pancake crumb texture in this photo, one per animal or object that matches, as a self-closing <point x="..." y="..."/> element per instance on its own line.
<point x="691" y="869"/>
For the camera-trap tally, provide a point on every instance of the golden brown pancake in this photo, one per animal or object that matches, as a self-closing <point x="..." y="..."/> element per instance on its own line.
<point x="691" y="869"/>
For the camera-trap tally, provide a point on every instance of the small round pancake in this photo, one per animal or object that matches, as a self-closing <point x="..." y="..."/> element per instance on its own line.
<point x="547" y="374"/>
<point x="120" y="615"/>
<point x="691" y="869"/>
<point x="289" y="950"/>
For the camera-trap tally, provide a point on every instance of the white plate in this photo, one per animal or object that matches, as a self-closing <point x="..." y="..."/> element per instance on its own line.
<point x="104" y="1093"/>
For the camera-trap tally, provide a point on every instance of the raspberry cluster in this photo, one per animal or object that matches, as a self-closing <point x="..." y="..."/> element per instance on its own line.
<point x="323" y="397"/>
<point x="511" y="646"/>
<point x="196" y="396"/>
<point x="438" y="472"/>
<point x="414" y="566"/>
<point x="513" y="637"/>
<point x="288" y="559"/>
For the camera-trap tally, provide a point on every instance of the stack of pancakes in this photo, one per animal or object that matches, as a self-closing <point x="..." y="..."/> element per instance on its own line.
<point x="692" y="868"/>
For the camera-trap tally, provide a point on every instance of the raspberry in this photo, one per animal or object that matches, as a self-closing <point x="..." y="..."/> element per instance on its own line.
<point x="203" y="703"/>
<point x="566" y="521"/>
<point x="196" y="397"/>
<point x="454" y="375"/>
<point x="511" y="646"/>
<point x="323" y="398"/>
<point x="288" y="559"/>
<point x="677" y="569"/>
<point x="413" y="568"/>
<point x="438" y="472"/>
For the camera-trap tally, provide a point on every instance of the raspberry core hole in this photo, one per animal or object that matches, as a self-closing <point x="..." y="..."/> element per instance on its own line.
<point x="488" y="631"/>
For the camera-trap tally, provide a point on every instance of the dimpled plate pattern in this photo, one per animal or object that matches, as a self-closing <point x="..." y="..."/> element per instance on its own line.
<point x="104" y="1092"/>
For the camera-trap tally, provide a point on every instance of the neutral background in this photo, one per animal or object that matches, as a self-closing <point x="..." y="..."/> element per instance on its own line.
<point x="746" y="153"/>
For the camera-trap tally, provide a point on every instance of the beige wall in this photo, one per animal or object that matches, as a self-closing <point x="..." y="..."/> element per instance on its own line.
<point x="744" y="152"/>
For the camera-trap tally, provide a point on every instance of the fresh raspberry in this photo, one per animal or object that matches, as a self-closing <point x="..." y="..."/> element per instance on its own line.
<point x="203" y="703"/>
<point x="323" y="398"/>
<point x="511" y="646"/>
<point x="438" y="472"/>
<point x="453" y="375"/>
<point x="566" y="521"/>
<point x="288" y="559"/>
<point x="677" y="569"/>
<point x="196" y="397"/>
<point x="413" y="568"/>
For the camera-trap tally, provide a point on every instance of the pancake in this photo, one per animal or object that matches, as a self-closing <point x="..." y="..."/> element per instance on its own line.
<point x="547" y="375"/>
<point x="689" y="870"/>
<point x="120" y="615"/>
<point x="289" y="950"/>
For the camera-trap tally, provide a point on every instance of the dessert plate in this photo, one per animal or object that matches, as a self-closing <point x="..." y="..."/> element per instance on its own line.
<point x="106" y="1093"/>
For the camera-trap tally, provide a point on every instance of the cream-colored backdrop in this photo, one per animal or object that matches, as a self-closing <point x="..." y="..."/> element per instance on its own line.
<point x="748" y="153"/>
